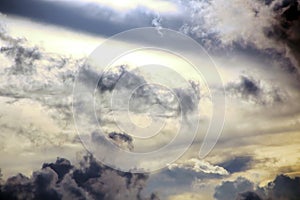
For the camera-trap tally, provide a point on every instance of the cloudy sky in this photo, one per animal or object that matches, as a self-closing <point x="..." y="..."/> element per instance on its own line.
<point x="45" y="45"/>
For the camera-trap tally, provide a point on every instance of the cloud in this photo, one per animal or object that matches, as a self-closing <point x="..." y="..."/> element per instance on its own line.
<point x="61" y="180"/>
<point x="283" y="187"/>
<point x="184" y="176"/>
<point x="230" y="190"/>
<point x="129" y="80"/>
<point x="208" y="21"/>
<point x="248" y="196"/>
<point x="198" y="166"/>
<point x="61" y="167"/>
<point x="131" y="5"/>
<point x="237" y="164"/>
<point x="287" y="26"/>
<point x="92" y="16"/>
<point x="189" y="196"/>
<point x="255" y="91"/>
<point x="30" y="75"/>
<point x="261" y="28"/>
<point x="146" y="95"/>
<point x="121" y="139"/>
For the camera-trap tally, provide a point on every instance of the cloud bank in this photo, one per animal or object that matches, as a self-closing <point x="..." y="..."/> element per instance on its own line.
<point x="282" y="188"/>
<point x="62" y="180"/>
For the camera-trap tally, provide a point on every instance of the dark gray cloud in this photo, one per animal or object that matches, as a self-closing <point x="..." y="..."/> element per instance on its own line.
<point x="61" y="180"/>
<point x="237" y="164"/>
<point x="129" y="80"/>
<point x="121" y="139"/>
<point x="248" y="196"/>
<point x="287" y="27"/>
<point x="283" y="187"/>
<point x="255" y="90"/>
<point x="61" y="167"/>
<point x="77" y="16"/>
<point x="146" y="97"/>
<point x="29" y="74"/>
<point x="229" y="190"/>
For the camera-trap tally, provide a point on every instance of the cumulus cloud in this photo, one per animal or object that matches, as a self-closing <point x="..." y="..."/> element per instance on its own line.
<point x="183" y="176"/>
<point x="61" y="180"/>
<point x="283" y="187"/>
<point x="230" y="190"/>
<point x="198" y="166"/>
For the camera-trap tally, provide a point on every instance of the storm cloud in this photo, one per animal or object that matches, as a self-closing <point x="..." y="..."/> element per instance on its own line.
<point x="283" y="187"/>
<point x="287" y="28"/>
<point x="90" y="180"/>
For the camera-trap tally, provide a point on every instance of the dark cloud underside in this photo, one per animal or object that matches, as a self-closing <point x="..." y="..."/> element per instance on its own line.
<point x="282" y="188"/>
<point x="237" y="164"/>
<point x="77" y="17"/>
<point x="61" y="180"/>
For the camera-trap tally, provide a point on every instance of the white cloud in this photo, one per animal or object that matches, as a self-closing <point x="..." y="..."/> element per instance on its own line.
<point x="232" y="21"/>
<point x="199" y="166"/>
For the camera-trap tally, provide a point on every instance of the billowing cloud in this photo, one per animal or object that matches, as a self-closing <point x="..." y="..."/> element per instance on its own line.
<point x="183" y="176"/>
<point x="229" y="190"/>
<point x="198" y="166"/>
<point x="61" y="180"/>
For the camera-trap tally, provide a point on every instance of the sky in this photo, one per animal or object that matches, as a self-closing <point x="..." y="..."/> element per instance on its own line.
<point x="53" y="57"/>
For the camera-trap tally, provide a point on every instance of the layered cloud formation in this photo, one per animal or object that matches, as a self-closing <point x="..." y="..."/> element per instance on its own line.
<point x="255" y="43"/>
